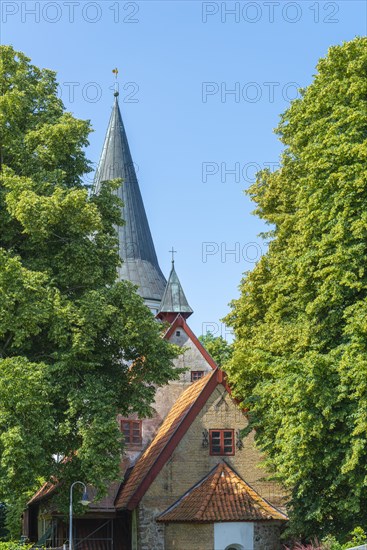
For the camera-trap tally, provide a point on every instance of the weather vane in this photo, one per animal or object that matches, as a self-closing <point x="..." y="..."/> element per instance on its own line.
<point x="173" y="252"/>
<point x="116" y="72"/>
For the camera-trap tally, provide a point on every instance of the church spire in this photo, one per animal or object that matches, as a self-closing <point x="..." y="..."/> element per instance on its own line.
<point x="174" y="300"/>
<point x="140" y="264"/>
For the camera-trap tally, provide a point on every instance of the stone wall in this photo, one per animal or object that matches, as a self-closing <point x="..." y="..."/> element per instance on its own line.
<point x="266" y="535"/>
<point x="150" y="533"/>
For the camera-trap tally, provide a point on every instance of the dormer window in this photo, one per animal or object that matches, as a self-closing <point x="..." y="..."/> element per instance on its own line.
<point x="132" y="430"/>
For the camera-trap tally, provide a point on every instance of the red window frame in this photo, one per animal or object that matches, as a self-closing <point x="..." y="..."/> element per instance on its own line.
<point x="196" y="375"/>
<point x="221" y="442"/>
<point x="132" y="430"/>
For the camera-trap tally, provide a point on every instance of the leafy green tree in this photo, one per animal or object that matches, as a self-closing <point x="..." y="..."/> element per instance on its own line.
<point x="14" y="546"/>
<point x="356" y="538"/>
<point x="218" y="348"/>
<point x="300" y="354"/>
<point x="76" y="347"/>
<point x="3" y="530"/>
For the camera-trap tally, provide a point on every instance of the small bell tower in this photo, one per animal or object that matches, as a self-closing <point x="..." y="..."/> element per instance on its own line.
<point x="174" y="300"/>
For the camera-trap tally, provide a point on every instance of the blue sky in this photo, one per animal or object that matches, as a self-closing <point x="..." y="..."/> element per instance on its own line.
<point x="202" y="85"/>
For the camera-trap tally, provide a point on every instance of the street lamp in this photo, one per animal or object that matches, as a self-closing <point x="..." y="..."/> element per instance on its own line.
<point x="85" y="501"/>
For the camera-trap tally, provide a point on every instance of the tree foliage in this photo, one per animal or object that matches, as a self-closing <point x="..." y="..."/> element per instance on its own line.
<point x="300" y="355"/>
<point x="15" y="546"/>
<point x="218" y="347"/>
<point x="76" y="347"/>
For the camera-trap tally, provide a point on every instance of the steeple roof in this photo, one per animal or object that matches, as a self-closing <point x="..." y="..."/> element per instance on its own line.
<point x="174" y="299"/>
<point x="140" y="264"/>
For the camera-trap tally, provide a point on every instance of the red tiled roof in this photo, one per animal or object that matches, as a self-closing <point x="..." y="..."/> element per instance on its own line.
<point x="221" y="496"/>
<point x="175" y="425"/>
<point x="104" y="504"/>
<point x="46" y="490"/>
<point x="108" y="502"/>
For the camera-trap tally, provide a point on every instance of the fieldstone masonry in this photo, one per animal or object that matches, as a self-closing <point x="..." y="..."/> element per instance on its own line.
<point x="266" y="536"/>
<point x="151" y="533"/>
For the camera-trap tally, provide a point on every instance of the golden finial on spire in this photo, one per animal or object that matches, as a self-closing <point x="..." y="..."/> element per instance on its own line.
<point x="116" y="72"/>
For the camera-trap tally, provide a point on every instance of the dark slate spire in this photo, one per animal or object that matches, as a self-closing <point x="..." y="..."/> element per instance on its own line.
<point x="135" y="241"/>
<point x="174" y="300"/>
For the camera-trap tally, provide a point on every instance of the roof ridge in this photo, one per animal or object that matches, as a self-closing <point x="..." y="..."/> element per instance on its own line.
<point x="159" y="445"/>
<point x="253" y="492"/>
<point x="213" y="486"/>
<point x="46" y="488"/>
<point x="222" y="495"/>
<point x="185" y="412"/>
<point x="190" y="490"/>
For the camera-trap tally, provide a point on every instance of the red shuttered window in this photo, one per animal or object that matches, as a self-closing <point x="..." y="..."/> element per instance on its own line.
<point x="221" y="442"/>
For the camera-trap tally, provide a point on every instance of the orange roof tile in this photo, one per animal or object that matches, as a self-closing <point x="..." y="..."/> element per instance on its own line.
<point x="46" y="490"/>
<point x="221" y="496"/>
<point x="106" y="503"/>
<point x="160" y="447"/>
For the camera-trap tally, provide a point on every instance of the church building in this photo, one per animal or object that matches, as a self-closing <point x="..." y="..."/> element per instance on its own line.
<point x="189" y="481"/>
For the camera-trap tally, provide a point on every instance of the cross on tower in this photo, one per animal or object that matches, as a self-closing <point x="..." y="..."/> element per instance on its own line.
<point x="173" y="252"/>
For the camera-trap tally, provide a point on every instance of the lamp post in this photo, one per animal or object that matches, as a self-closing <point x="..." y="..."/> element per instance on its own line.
<point x="85" y="501"/>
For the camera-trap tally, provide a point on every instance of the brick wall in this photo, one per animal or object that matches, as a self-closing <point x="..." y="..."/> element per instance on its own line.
<point x="191" y="359"/>
<point x="167" y="395"/>
<point x="190" y="462"/>
<point x="181" y="536"/>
